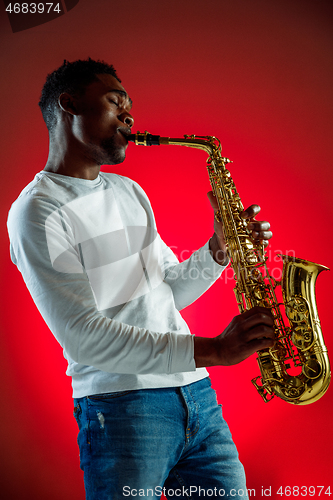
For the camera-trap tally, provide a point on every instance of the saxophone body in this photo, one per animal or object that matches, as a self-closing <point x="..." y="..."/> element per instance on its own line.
<point x="296" y="369"/>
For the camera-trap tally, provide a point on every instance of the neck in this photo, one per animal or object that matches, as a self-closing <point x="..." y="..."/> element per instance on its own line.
<point x="72" y="170"/>
<point x="66" y="158"/>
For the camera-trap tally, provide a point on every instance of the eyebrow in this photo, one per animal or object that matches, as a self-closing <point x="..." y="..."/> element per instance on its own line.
<point x="122" y="93"/>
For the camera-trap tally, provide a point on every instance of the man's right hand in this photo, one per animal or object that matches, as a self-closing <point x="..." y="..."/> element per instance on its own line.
<point x="247" y="333"/>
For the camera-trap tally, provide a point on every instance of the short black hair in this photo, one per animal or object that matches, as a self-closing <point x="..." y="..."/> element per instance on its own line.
<point x="71" y="77"/>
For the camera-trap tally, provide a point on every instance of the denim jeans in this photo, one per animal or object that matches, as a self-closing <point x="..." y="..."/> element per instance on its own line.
<point x="147" y="442"/>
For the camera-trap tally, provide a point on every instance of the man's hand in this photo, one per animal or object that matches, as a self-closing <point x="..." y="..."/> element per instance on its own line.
<point x="260" y="230"/>
<point x="247" y="333"/>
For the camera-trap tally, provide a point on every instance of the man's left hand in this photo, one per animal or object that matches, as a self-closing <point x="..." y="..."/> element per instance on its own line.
<point x="260" y="230"/>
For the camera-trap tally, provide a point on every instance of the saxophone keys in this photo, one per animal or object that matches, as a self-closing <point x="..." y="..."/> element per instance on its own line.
<point x="217" y="216"/>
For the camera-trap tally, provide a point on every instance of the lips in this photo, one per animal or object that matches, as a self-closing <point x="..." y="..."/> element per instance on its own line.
<point x="125" y="133"/>
<point x="123" y="137"/>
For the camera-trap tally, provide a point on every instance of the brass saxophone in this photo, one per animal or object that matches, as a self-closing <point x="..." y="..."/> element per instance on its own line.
<point x="299" y="338"/>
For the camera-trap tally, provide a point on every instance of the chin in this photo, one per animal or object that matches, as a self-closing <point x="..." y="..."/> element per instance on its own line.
<point x="113" y="154"/>
<point x="115" y="159"/>
<point x="107" y="154"/>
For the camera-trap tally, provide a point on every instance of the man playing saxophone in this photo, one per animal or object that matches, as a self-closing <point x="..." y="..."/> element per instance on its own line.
<point x="110" y="291"/>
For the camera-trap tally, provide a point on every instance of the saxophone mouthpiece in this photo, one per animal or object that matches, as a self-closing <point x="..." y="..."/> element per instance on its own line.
<point x="144" y="139"/>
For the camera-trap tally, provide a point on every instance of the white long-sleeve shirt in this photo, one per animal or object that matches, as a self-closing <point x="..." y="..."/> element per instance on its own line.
<point x="107" y="286"/>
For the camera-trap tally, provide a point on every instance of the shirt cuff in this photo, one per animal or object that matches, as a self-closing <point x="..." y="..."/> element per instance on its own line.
<point x="181" y="353"/>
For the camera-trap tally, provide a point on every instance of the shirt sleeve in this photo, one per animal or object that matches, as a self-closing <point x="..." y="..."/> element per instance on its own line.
<point x="192" y="277"/>
<point x="62" y="292"/>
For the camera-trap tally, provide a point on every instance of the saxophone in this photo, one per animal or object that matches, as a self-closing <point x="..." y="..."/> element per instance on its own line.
<point x="299" y="339"/>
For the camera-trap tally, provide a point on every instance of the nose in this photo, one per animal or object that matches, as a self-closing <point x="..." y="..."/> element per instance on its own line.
<point x="127" y="119"/>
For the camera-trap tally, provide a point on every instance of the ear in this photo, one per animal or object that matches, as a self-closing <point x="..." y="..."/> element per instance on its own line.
<point x="68" y="103"/>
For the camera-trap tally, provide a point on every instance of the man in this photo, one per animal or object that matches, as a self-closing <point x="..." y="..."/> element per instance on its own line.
<point x="110" y="291"/>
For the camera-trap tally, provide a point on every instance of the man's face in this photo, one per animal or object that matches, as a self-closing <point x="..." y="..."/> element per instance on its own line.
<point x="104" y="120"/>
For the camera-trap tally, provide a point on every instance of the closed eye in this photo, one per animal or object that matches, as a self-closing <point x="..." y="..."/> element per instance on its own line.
<point x="122" y="95"/>
<point x="114" y="102"/>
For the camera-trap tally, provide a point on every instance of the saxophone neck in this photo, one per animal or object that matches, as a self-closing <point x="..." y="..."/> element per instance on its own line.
<point x="210" y="144"/>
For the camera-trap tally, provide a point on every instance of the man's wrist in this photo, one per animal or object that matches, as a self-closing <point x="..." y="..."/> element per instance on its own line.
<point x="220" y="256"/>
<point x="205" y="352"/>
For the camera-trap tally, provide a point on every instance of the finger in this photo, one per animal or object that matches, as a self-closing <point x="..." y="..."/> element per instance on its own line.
<point x="255" y="317"/>
<point x="260" y="332"/>
<point x="251" y="211"/>
<point x="263" y="235"/>
<point x="257" y="310"/>
<point x="259" y="225"/>
<point x="212" y="200"/>
<point x="259" y="318"/>
<point x="255" y="345"/>
<point x="259" y="344"/>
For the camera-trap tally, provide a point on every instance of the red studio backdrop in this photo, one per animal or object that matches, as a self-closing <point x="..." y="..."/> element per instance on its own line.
<point x="258" y="75"/>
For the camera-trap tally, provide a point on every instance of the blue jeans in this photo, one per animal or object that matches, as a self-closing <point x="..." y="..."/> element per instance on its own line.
<point x="147" y="442"/>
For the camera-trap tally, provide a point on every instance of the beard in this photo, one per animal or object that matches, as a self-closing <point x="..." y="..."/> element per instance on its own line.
<point x="108" y="153"/>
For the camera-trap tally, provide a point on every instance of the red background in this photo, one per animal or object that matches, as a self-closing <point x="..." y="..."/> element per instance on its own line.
<point x="258" y="75"/>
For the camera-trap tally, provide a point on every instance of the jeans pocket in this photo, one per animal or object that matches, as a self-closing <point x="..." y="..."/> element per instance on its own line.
<point x="108" y="395"/>
<point x="77" y="410"/>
